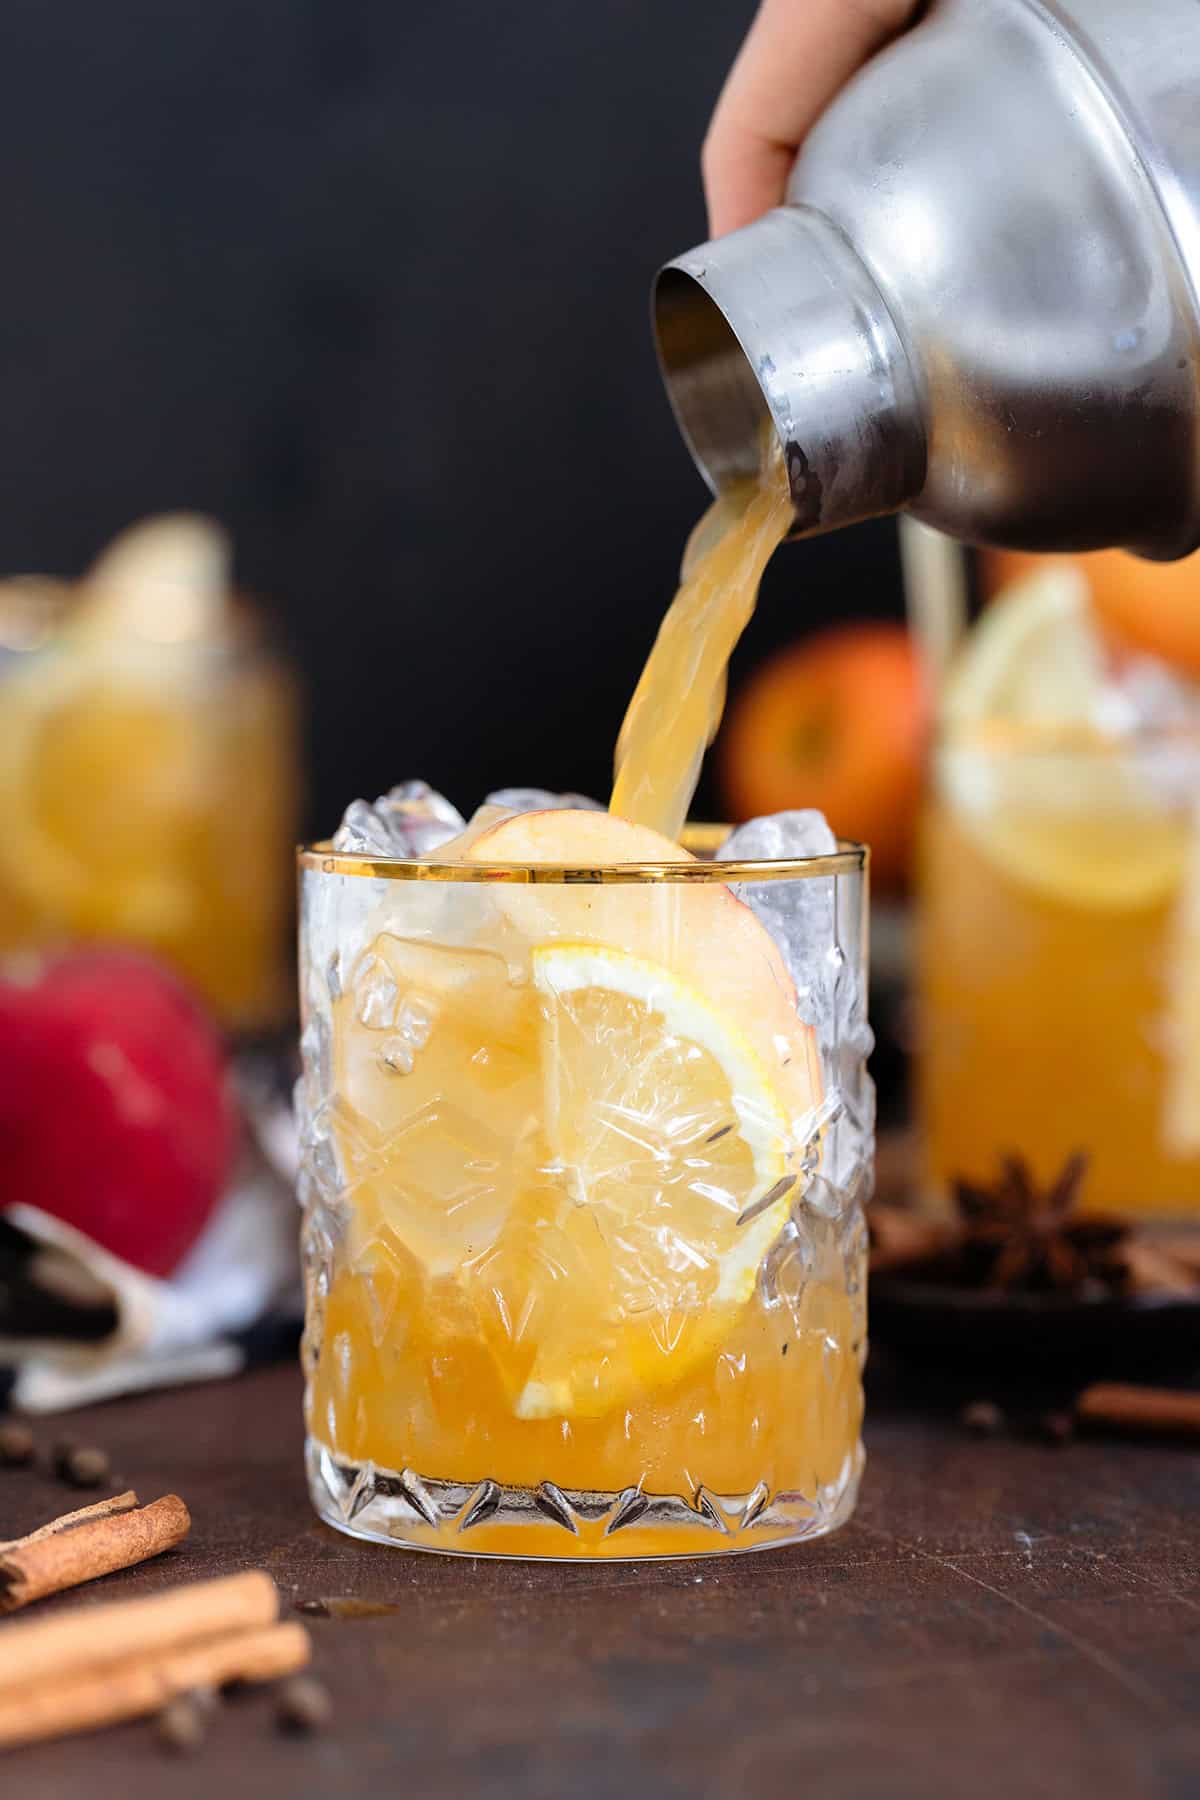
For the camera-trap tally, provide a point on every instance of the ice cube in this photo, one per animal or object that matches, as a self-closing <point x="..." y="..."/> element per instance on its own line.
<point x="802" y="917"/>
<point x="411" y="820"/>
<point x="376" y="995"/>
<point x="362" y="832"/>
<point x="1158" y="710"/>
<point x="801" y="914"/>
<point x="779" y="835"/>
<point x="1145" y="696"/>
<point x="521" y="800"/>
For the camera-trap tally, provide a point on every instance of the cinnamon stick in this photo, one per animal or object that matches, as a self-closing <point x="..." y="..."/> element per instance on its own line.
<point x="901" y="1239"/>
<point x="89" y="1637"/>
<point x="1151" y="1268"/>
<point x="1142" y="1411"/>
<point x="63" y="1555"/>
<point x="144" y="1684"/>
<point x="1181" y="1246"/>
<point x="99" y="1509"/>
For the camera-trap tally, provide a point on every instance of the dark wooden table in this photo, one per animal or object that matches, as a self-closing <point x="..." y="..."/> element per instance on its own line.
<point x="1001" y="1618"/>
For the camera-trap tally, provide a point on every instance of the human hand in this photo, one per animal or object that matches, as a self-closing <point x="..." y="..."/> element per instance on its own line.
<point x="796" y="56"/>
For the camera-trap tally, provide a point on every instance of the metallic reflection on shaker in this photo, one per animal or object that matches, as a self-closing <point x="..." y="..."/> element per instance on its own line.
<point x="981" y="302"/>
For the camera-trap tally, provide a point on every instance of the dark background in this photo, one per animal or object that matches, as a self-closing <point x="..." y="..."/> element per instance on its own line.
<point x="368" y="281"/>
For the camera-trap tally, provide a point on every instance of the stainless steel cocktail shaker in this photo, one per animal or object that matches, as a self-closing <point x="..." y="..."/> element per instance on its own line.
<point x="981" y="302"/>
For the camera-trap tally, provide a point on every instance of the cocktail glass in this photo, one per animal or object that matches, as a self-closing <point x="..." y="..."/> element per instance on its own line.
<point x="148" y="794"/>
<point x="1059" y="963"/>
<point x="583" y="1176"/>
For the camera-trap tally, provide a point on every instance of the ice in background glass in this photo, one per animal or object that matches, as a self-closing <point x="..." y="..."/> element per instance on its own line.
<point x="1058" y="970"/>
<point x="148" y="769"/>
<point x="583" y="1175"/>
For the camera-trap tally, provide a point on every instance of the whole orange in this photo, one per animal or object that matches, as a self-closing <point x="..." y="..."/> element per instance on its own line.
<point x="838" y="722"/>
<point x="1150" y="606"/>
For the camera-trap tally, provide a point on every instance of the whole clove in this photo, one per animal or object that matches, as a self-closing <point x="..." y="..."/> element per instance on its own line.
<point x="16" y="1444"/>
<point x="304" y="1706"/>
<point x="81" y="1465"/>
<point x="983" y="1418"/>
<point x="181" y="1724"/>
<point x="1056" y="1427"/>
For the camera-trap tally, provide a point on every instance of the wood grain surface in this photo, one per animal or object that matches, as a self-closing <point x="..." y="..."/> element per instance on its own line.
<point x="1001" y="1618"/>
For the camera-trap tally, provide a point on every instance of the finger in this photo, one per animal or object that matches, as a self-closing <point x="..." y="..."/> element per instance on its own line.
<point x="796" y="56"/>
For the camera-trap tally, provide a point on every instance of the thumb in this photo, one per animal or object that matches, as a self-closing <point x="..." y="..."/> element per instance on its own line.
<point x="796" y="56"/>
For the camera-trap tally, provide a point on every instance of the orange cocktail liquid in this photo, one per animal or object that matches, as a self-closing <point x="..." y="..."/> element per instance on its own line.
<point x="424" y="1353"/>
<point x="1049" y="1009"/>
<point x="429" y="1355"/>
<point x="774" y="1409"/>
<point x="678" y="702"/>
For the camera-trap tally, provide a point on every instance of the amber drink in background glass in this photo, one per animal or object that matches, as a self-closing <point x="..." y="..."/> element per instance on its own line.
<point x="583" y="1233"/>
<point x="1058" y="970"/>
<point x="148" y="769"/>
<point x="1057" y="997"/>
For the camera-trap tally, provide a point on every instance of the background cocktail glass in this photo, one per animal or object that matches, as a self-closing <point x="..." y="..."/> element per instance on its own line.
<point x="149" y="794"/>
<point x="1058" y="969"/>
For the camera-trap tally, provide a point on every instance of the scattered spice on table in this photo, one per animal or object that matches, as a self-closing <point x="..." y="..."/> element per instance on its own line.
<point x="983" y="1418"/>
<point x="1116" y="1407"/>
<point x="1127" y="1407"/>
<point x="902" y="1239"/>
<point x="99" y="1665"/>
<point x="81" y="1465"/>
<point x="1056" y="1427"/>
<point x="1016" y="1235"/>
<point x="303" y="1706"/>
<point x="80" y="1546"/>
<point x="181" y="1725"/>
<point x="16" y="1444"/>
<point x="345" y="1606"/>
<point x="37" y="1649"/>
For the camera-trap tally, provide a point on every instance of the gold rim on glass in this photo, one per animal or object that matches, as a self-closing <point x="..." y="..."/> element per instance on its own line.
<point x="848" y="859"/>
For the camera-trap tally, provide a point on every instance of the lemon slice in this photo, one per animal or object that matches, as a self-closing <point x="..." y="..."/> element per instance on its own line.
<point x="165" y="580"/>
<point x="1034" y="658"/>
<point x="671" y="1172"/>
<point x="1029" y="773"/>
<point x="701" y="931"/>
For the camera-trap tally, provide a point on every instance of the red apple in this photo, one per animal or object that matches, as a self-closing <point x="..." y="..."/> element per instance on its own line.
<point x="116" y="1113"/>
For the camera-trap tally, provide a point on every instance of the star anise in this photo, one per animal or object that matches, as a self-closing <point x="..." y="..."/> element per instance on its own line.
<point x="1019" y="1236"/>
